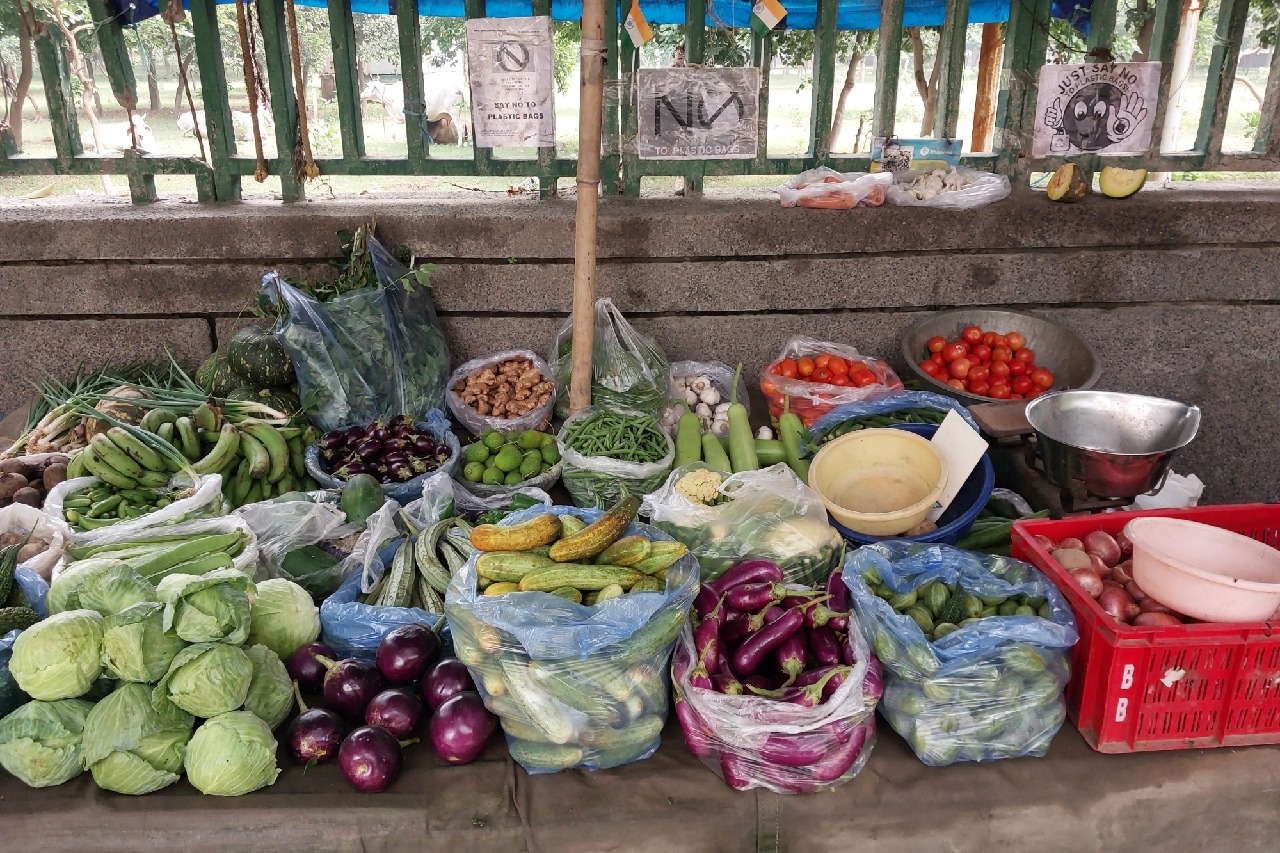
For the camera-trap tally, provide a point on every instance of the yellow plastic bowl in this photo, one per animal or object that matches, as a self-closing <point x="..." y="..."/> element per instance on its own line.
<point x="878" y="482"/>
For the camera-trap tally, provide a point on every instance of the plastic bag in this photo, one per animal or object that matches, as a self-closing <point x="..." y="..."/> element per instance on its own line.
<point x="21" y="520"/>
<point x="916" y="189"/>
<point x="720" y="376"/>
<point x="573" y="686"/>
<point x="117" y="534"/>
<point x="824" y="187"/>
<point x="410" y="490"/>
<point x="367" y="355"/>
<point x="598" y="481"/>
<point x="35" y="589"/>
<point x="285" y="527"/>
<point x="811" y="400"/>
<point x="467" y="502"/>
<point x="741" y="738"/>
<point x="770" y="514"/>
<point x="993" y="688"/>
<point x="205" y="501"/>
<point x="827" y="427"/>
<point x="628" y="370"/>
<point x="477" y="423"/>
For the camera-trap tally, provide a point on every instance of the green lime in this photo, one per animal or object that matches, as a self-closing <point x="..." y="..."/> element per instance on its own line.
<point x="492" y="477"/>
<point x="530" y="439"/>
<point x="473" y="471"/>
<point x="548" y="440"/>
<point x="508" y="458"/>
<point x="531" y="465"/>
<point x="493" y="439"/>
<point x="476" y="452"/>
<point x="550" y="454"/>
<point x="513" y="479"/>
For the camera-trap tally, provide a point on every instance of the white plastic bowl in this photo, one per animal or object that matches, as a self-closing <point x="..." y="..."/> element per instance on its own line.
<point x="1205" y="571"/>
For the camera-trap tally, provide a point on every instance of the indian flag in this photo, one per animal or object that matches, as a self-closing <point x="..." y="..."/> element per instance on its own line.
<point x="766" y="15"/>
<point x="638" y="29"/>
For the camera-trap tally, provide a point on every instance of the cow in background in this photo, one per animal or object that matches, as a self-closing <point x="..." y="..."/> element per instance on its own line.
<point x="445" y="109"/>
<point x="115" y="136"/>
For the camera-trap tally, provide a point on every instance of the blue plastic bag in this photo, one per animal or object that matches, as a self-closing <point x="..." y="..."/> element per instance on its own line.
<point x="35" y="589"/>
<point x="892" y="403"/>
<point x="573" y="685"/>
<point x="993" y="688"/>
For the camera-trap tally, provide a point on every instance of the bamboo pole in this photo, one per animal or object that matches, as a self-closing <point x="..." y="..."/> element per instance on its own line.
<point x="984" y="112"/>
<point x="590" y="116"/>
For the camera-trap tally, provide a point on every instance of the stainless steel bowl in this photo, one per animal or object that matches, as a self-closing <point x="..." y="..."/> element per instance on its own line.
<point x="1057" y="348"/>
<point x="1118" y="445"/>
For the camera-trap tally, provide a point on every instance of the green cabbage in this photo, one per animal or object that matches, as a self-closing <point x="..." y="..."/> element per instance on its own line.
<point x="208" y="608"/>
<point x="135" y="646"/>
<point x="134" y="742"/>
<point x="102" y="584"/>
<point x="207" y="679"/>
<point x="40" y="742"/>
<point x="59" y="658"/>
<point x="232" y="754"/>
<point x="284" y="617"/>
<point x="271" y="690"/>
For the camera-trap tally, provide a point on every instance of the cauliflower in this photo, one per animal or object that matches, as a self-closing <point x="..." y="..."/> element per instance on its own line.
<point x="701" y="486"/>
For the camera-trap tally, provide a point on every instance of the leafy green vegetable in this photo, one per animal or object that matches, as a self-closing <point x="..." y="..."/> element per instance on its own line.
<point x="232" y="754"/>
<point x="207" y="679"/>
<point x="135" y="646"/>
<point x="102" y="584"/>
<point x="59" y="658"/>
<point x="284" y="617"/>
<point x="207" y="608"/>
<point x="40" y="742"/>
<point x="134" y="741"/>
<point x="270" y="696"/>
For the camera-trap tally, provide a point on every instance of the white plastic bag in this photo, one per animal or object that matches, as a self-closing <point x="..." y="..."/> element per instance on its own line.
<point x="826" y="188"/>
<point x="628" y="370"/>
<point x="246" y="561"/>
<point x="598" y="481"/>
<point x="467" y="501"/>
<point x="811" y="399"/>
<point x="1177" y="492"/>
<point x="915" y="189"/>
<point x="477" y="423"/>
<point x="205" y="500"/>
<point x="284" y="527"/>
<point x="22" y="520"/>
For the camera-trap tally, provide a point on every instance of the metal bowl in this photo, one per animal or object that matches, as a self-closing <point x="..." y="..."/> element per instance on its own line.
<point x="1118" y="445"/>
<point x="1057" y="348"/>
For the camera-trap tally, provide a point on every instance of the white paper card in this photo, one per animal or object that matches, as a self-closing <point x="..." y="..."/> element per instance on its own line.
<point x="961" y="448"/>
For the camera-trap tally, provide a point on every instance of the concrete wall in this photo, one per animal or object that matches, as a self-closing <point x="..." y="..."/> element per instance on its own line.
<point x="1178" y="290"/>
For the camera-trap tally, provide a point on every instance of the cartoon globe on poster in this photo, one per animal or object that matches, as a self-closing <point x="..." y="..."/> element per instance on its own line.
<point x="1098" y="108"/>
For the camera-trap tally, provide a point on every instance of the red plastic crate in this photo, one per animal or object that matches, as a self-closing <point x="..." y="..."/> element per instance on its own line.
<point x="1190" y="686"/>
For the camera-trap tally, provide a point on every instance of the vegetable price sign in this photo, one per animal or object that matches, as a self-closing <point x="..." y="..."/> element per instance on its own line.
<point x="510" y="60"/>
<point x="1104" y="108"/>
<point x="697" y="113"/>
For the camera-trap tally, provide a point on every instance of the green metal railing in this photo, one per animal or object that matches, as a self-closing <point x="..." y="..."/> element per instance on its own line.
<point x="1026" y="43"/>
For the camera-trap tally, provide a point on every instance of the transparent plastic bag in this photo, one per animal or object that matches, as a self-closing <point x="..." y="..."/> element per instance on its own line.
<point x="22" y="520"/>
<point x="318" y="532"/>
<point x="768" y="514"/>
<point x="476" y="423"/>
<point x="467" y="502"/>
<point x="367" y="355"/>
<point x="36" y="589"/>
<point x="598" y="481"/>
<point x="719" y="377"/>
<point x="826" y="188"/>
<point x="759" y="742"/>
<point x="993" y="688"/>
<point x="811" y="400"/>
<point x="573" y="686"/>
<point x="410" y="490"/>
<point x="204" y="501"/>
<point x="628" y="370"/>
<point x="825" y="427"/>
<point x="117" y="534"/>
<point x="914" y="188"/>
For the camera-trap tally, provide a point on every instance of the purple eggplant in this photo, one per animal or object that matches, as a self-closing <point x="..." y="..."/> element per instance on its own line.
<point x="357" y="468"/>
<point x="758" y="684"/>
<point x="355" y="435"/>
<point x="333" y="440"/>
<point x="696" y="737"/>
<point x="752" y="597"/>
<point x="841" y="758"/>
<point x="396" y="457"/>
<point x="378" y="433"/>
<point x="368" y="450"/>
<point x="873" y="684"/>
<point x="820" y="614"/>
<point x="748" y="656"/>
<point x="400" y="421"/>
<point x="792" y="655"/>
<point x="812" y="676"/>
<point x="824" y="646"/>
<point x="833" y="684"/>
<point x="726" y="684"/>
<point x="735" y="629"/>
<point x="400" y="473"/>
<point x="705" y="601"/>
<point x="797" y="750"/>
<point x="847" y="657"/>
<point x="838" y="592"/>
<point x="706" y="642"/>
<point x="736" y="770"/>
<point x="395" y="445"/>
<point x="748" y="571"/>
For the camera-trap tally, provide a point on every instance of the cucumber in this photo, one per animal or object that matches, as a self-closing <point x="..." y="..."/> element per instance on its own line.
<point x="581" y="577"/>
<point x="688" y="440"/>
<point x="577" y="693"/>
<point x="543" y="757"/>
<point x="615" y="747"/>
<point x="548" y="715"/>
<point x="516" y="728"/>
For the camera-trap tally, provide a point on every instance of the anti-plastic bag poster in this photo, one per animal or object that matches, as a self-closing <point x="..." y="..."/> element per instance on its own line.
<point x="697" y="113"/>
<point x="1098" y="108"/>
<point x="512" y="87"/>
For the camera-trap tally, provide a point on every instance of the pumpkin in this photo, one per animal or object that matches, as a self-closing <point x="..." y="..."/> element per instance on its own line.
<point x="1121" y="183"/>
<point x="215" y="376"/>
<point x="1068" y="184"/>
<point x="259" y="359"/>
<point x="284" y="400"/>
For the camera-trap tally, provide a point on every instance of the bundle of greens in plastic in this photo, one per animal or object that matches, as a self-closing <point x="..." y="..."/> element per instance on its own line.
<point x="302" y="541"/>
<point x="572" y="685"/>
<point x="768" y="514"/>
<point x="976" y="663"/>
<point x="902" y="407"/>
<point x="628" y="370"/>
<point x="605" y="453"/>
<point x="368" y="354"/>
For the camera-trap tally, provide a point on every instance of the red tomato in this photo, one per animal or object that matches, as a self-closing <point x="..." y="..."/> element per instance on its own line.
<point x="767" y="387"/>
<point x="954" y="350"/>
<point x="1034" y="392"/>
<point x="999" y="353"/>
<point x="959" y="368"/>
<point x="936" y="343"/>
<point x="982" y="389"/>
<point x="937" y="359"/>
<point x="978" y="372"/>
<point x="842" y="381"/>
<point x="999" y="369"/>
<point x="838" y="366"/>
<point x="787" y="368"/>
<point x="1001" y="341"/>
<point x="822" y="360"/>
<point x="1018" y="368"/>
<point x="1016" y="340"/>
<point x="999" y="391"/>
<point x="822" y="375"/>
<point x="989" y="338"/>
<point x="971" y="335"/>
<point x="981" y="352"/>
<point x="1042" y="378"/>
<point x="931" y="368"/>
<point x="805" y="367"/>
<point x="862" y="378"/>
<point x="1025" y="354"/>
<point x="956" y="384"/>
<point x="1015" y="396"/>
<point x="1020" y="384"/>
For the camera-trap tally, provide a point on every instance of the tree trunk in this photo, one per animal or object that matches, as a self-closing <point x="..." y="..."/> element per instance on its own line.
<point x="984" y="110"/>
<point x="184" y="62"/>
<point x="153" y="82"/>
<point x="93" y="81"/>
<point x="850" y="80"/>
<point x="927" y="88"/>
<point x="23" y="86"/>
<point x="1145" y="31"/>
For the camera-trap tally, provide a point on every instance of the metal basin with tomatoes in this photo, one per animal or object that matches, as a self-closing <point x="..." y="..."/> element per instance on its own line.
<point x="984" y="355"/>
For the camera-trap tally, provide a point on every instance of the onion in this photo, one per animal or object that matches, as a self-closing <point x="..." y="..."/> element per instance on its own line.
<point x="1118" y="605"/>
<point x="1136" y="591"/>
<point x="1150" y="605"/>
<point x="1088" y="580"/>
<point x="1072" y="559"/>
<point x="1045" y="542"/>
<point x="1123" y="572"/>
<point x="1101" y="543"/>
<point x="1156" y="620"/>
<point x="1071" y="542"/>
<point x="1099" y="566"/>
<point x="1126" y="546"/>
<point x="1111" y="584"/>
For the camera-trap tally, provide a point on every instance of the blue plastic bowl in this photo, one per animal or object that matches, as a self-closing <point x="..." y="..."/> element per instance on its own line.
<point x="958" y="518"/>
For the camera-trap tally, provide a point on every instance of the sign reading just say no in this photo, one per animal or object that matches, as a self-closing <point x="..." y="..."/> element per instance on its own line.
<point x="697" y="113"/>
